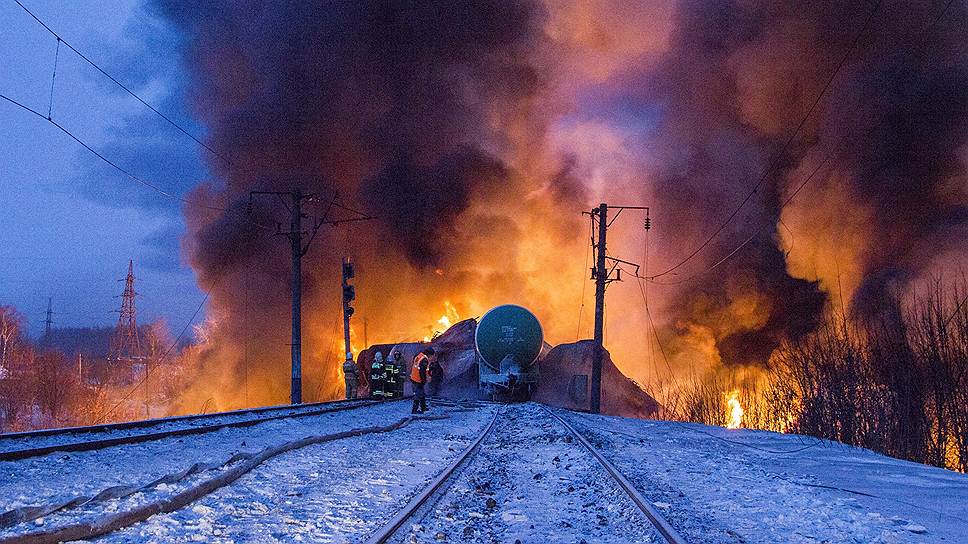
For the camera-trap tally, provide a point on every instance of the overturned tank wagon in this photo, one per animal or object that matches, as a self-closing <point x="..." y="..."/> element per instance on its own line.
<point x="508" y="341"/>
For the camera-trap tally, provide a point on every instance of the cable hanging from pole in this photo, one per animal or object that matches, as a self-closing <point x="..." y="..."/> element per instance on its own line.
<point x="144" y="102"/>
<point x="119" y="168"/>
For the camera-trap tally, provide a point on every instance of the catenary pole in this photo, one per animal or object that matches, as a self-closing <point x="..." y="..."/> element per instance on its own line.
<point x="601" y="275"/>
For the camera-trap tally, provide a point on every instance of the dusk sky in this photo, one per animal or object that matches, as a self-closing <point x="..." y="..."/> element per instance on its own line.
<point x="70" y="222"/>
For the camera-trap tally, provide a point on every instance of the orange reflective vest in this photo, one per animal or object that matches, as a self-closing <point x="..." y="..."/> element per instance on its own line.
<point x="420" y="359"/>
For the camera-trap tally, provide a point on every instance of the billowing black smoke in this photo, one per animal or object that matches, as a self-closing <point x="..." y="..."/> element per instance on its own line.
<point x="393" y="108"/>
<point x="736" y="81"/>
<point x="386" y="102"/>
<point x="910" y="167"/>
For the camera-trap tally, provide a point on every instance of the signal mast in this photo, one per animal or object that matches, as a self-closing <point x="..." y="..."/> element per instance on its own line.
<point x="349" y="295"/>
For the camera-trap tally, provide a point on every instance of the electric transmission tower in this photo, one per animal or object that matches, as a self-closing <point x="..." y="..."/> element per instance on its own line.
<point x="126" y="344"/>
<point x="50" y="318"/>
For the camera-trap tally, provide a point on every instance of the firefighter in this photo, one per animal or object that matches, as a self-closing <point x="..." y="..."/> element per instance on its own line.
<point x="393" y="387"/>
<point x="378" y="377"/>
<point x="418" y="376"/>
<point x="436" y="376"/>
<point x="350" y="376"/>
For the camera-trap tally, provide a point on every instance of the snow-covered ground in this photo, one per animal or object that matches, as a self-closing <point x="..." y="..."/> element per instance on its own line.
<point x="716" y="485"/>
<point x="532" y="479"/>
<point x="334" y="492"/>
<point x="529" y="481"/>
<point x="62" y="476"/>
<point x="18" y="441"/>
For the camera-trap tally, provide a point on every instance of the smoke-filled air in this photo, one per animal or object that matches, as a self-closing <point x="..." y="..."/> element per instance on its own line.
<point x="797" y="160"/>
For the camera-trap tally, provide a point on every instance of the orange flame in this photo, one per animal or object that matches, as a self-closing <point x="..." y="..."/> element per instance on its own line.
<point x="734" y="410"/>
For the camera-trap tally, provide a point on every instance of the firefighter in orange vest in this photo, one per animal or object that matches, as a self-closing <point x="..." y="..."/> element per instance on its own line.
<point x="418" y="376"/>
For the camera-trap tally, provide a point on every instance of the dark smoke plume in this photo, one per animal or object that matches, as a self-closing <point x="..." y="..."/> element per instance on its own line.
<point x="735" y="81"/>
<point x="391" y="107"/>
<point x="446" y="120"/>
<point x="394" y="96"/>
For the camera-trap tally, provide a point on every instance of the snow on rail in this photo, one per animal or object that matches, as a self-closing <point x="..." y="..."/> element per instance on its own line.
<point x="764" y="487"/>
<point x="63" y="476"/>
<point x="529" y="481"/>
<point x="340" y="491"/>
<point x="665" y="529"/>
<point x="390" y="529"/>
<point x="234" y="468"/>
<point x="26" y="444"/>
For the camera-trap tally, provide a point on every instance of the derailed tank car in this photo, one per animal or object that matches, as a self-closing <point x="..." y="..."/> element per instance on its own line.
<point x="508" y="340"/>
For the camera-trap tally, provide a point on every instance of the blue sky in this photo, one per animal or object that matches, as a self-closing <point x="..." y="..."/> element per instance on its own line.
<point x="69" y="223"/>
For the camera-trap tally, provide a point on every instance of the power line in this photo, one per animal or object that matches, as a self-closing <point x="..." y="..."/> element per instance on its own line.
<point x="655" y="332"/>
<point x="171" y="348"/>
<point x="128" y="90"/>
<point x="588" y="250"/>
<point x="775" y="162"/>
<point x="955" y="312"/>
<point x="93" y="151"/>
<point x="756" y="233"/>
<point x="53" y="76"/>
<point x="119" y="84"/>
<point x="124" y="171"/>
<point x="799" y="188"/>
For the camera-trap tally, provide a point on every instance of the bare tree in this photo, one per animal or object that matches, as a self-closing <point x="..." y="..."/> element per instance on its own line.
<point x="11" y="327"/>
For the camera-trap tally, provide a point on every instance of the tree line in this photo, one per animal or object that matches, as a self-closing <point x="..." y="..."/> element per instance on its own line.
<point x="896" y="383"/>
<point x="41" y="386"/>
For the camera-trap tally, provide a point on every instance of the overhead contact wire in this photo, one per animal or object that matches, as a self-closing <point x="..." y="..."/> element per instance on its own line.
<point x="776" y="158"/>
<point x="118" y="83"/>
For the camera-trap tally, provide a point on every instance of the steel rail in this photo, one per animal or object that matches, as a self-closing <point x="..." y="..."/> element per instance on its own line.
<point x="126" y="518"/>
<point x="389" y="530"/>
<point x="142" y="423"/>
<point x="324" y="408"/>
<point x="662" y="526"/>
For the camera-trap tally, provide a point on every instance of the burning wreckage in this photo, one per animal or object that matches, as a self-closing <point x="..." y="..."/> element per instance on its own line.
<point x="503" y="356"/>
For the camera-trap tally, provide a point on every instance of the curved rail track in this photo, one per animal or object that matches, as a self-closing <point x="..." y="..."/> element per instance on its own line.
<point x="667" y="531"/>
<point x="198" y="424"/>
<point x="420" y="505"/>
<point x="388" y="531"/>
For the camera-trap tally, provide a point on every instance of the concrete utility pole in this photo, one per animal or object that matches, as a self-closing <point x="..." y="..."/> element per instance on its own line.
<point x="295" y="235"/>
<point x="295" y="239"/>
<point x="602" y="276"/>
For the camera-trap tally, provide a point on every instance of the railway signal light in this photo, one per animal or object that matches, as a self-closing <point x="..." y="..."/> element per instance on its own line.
<point x="349" y="294"/>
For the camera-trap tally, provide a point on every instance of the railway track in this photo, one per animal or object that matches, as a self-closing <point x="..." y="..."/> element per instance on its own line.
<point x="120" y="507"/>
<point x="500" y="485"/>
<point x="423" y="504"/>
<point x="63" y="440"/>
<point x="658" y="521"/>
<point x="424" y="498"/>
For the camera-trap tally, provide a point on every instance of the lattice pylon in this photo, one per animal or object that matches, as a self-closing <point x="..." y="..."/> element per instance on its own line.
<point x="126" y="343"/>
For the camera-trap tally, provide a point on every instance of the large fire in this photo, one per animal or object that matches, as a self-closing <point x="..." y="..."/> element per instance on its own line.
<point x="476" y="148"/>
<point x="449" y="317"/>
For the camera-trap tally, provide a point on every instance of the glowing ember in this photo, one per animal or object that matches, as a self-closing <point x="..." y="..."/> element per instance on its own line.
<point x="734" y="411"/>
